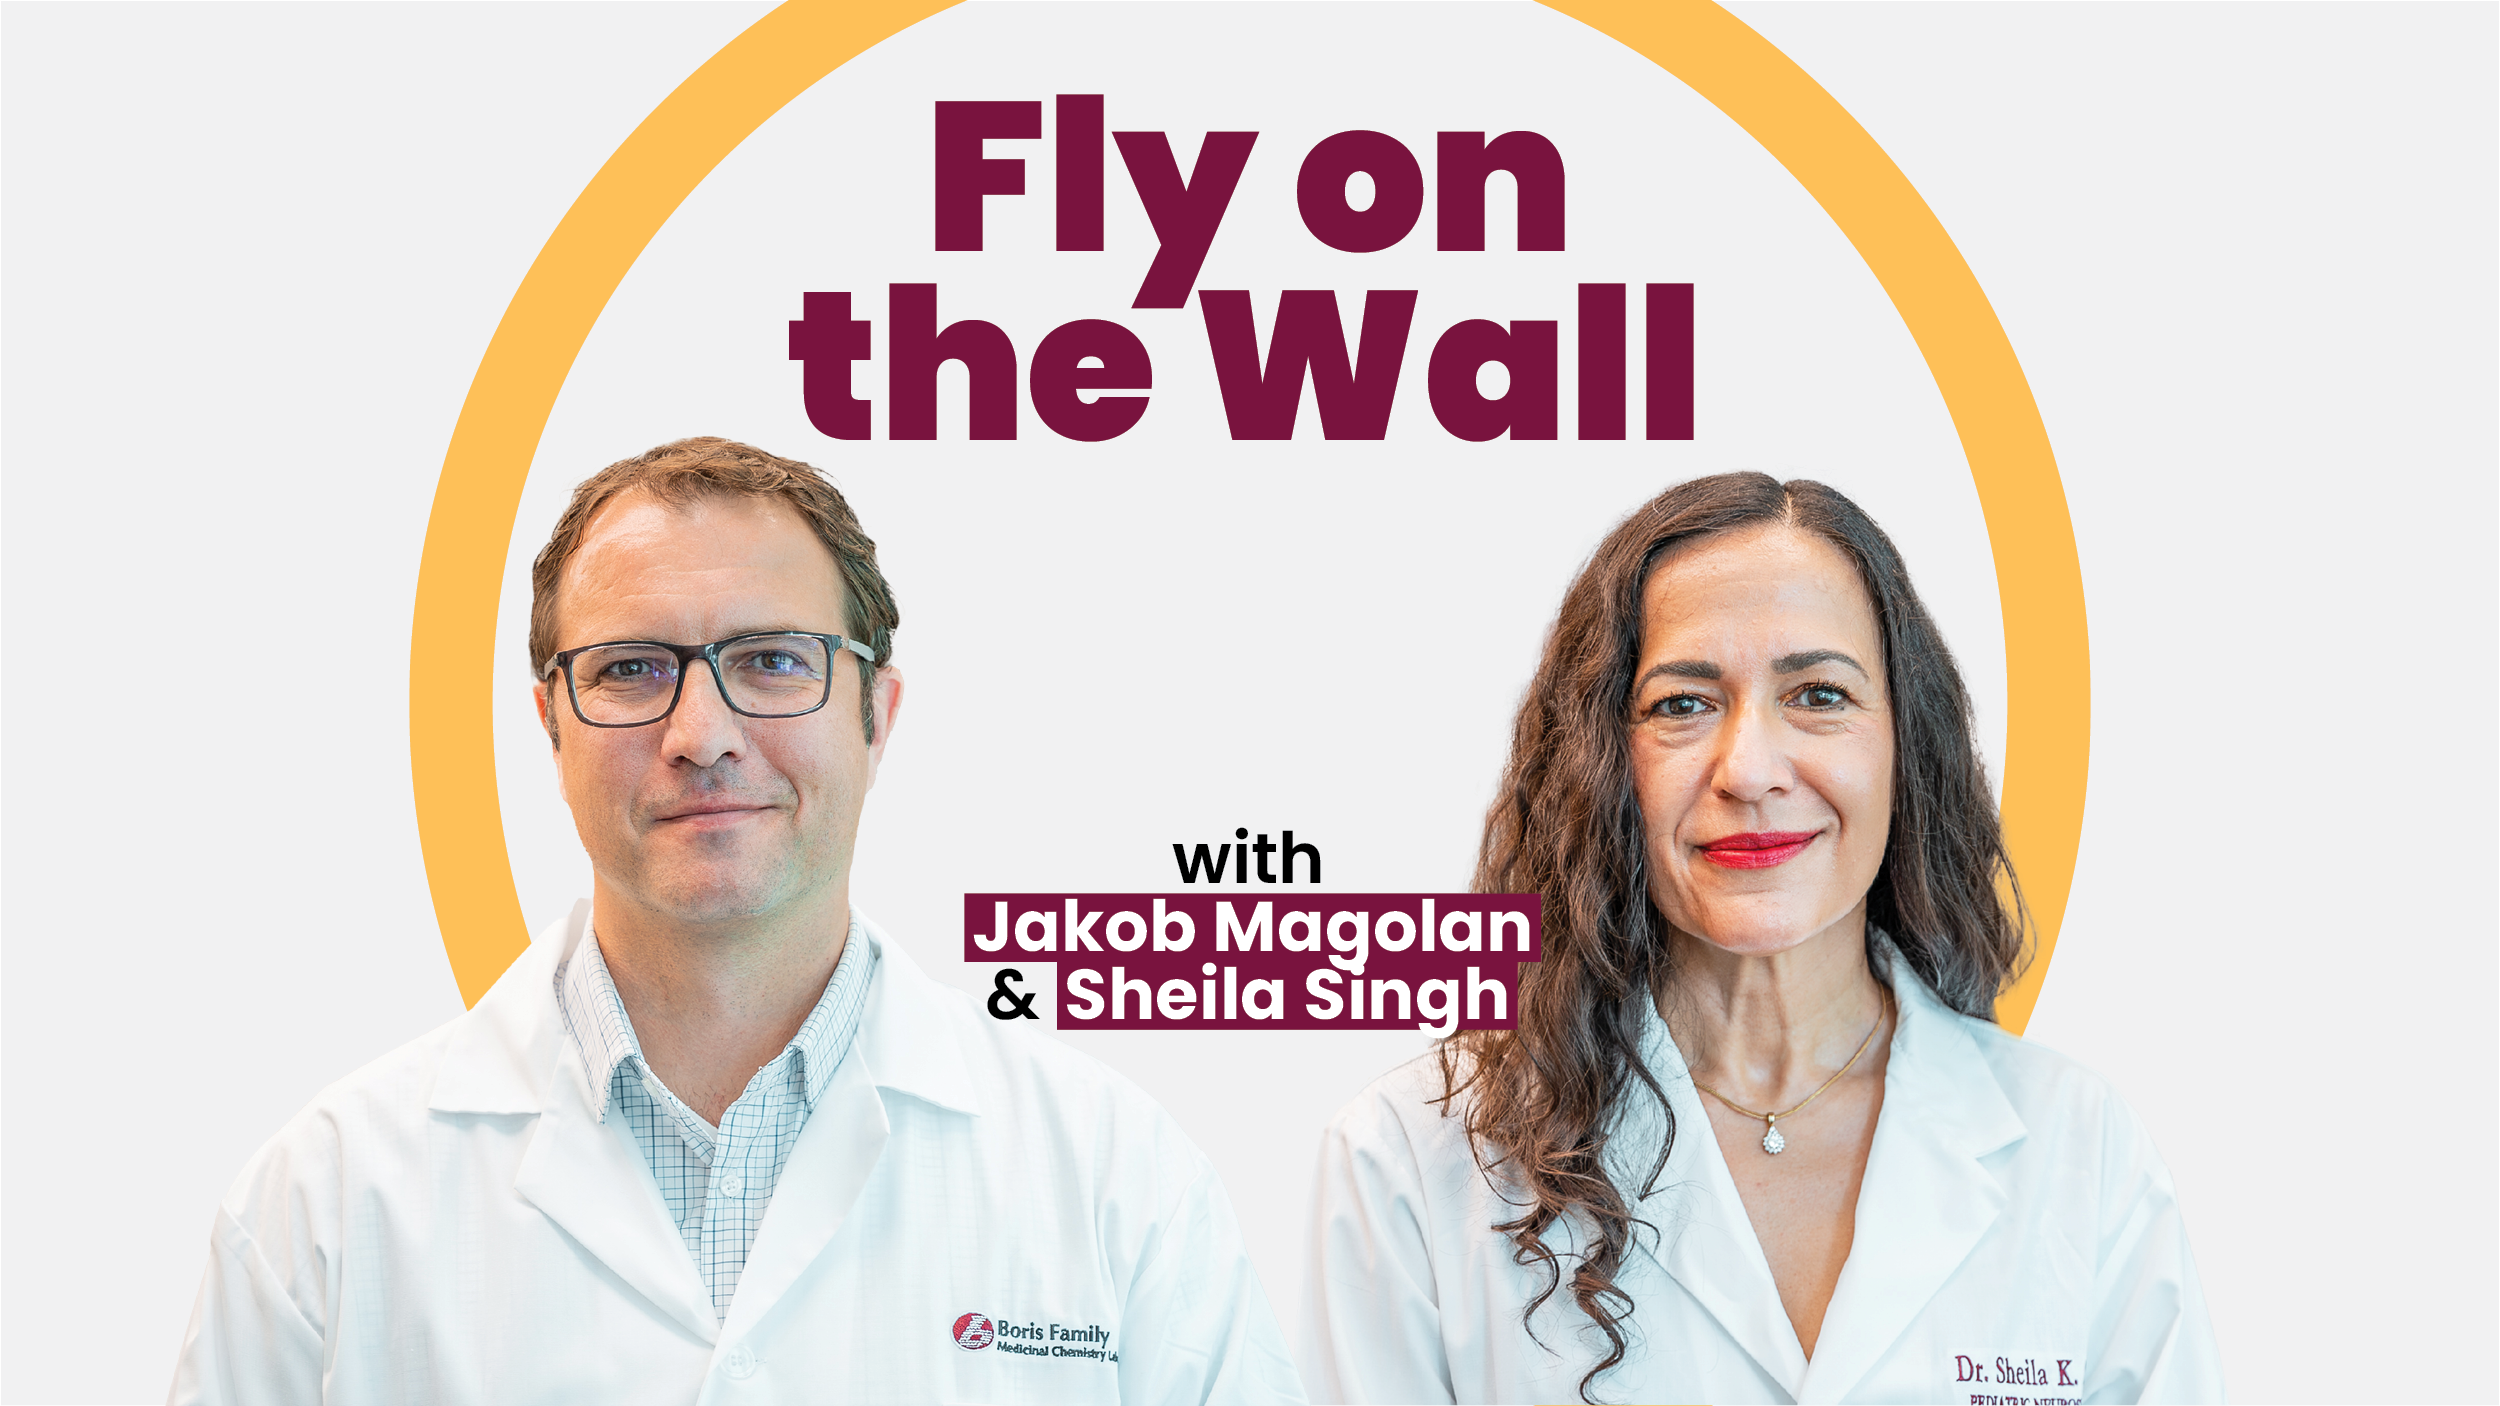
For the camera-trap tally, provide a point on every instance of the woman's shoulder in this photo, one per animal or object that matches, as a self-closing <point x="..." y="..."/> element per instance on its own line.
<point x="1413" y="1095"/>
<point x="2059" y="1099"/>
<point x="1408" y="1122"/>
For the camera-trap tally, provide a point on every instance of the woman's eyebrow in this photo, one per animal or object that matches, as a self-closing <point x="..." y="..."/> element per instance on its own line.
<point x="1807" y="659"/>
<point x="1682" y="669"/>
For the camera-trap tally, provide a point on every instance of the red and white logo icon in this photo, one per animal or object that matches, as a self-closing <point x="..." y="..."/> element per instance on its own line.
<point x="973" y="1332"/>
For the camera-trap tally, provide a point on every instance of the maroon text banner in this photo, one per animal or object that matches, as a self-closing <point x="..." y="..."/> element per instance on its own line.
<point x="1437" y="962"/>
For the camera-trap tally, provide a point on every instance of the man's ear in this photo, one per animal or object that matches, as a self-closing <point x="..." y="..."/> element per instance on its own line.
<point x="885" y="701"/>
<point x="545" y="698"/>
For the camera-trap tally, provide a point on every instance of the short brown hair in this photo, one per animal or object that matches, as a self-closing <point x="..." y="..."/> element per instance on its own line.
<point x="683" y="471"/>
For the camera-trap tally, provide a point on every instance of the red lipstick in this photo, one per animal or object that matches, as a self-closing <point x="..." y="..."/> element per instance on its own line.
<point x="1758" y="850"/>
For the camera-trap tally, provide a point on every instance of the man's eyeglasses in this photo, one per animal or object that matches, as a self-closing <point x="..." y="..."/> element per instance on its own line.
<point x="634" y="683"/>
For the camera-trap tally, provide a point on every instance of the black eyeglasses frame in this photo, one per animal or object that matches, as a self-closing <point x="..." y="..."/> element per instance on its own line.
<point x="709" y="654"/>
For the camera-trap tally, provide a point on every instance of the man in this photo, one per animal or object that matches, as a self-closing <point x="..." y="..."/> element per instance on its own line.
<point x="715" y="1137"/>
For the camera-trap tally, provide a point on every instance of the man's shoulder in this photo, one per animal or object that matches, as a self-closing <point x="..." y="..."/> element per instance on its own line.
<point x="368" y="1115"/>
<point x="1013" y="1052"/>
<point x="489" y="1059"/>
<point x="1006" y="1072"/>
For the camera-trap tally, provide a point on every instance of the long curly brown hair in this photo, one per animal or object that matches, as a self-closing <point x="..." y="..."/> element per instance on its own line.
<point x="1541" y="1101"/>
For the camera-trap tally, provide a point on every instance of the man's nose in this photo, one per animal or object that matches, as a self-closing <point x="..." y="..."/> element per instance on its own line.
<point x="703" y="729"/>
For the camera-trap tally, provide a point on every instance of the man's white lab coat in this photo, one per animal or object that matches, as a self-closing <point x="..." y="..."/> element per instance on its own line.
<point x="2018" y="1241"/>
<point x="974" y="1213"/>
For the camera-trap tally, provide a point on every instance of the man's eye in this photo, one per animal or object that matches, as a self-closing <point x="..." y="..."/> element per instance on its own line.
<point x="774" y="661"/>
<point x="628" y="671"/>
<point x="1681" y="705"/>
<point x="1822" y="695"/>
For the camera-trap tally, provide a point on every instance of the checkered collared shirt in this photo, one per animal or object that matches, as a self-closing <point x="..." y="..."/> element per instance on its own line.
<point x="717" y="1181"/>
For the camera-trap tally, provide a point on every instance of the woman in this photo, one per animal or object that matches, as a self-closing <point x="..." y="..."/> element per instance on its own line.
<point x="1756" y="1137"/>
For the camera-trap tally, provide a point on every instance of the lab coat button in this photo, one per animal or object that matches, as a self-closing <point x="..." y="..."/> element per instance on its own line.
<point x="741" y="1362"/>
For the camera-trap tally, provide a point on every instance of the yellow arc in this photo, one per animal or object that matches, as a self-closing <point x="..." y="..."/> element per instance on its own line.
<point x="460" y="580"/>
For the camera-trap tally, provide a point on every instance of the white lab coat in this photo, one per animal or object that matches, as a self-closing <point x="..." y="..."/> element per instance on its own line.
<point x="2017" y="1241"/>
<point x="453" y="1224"/>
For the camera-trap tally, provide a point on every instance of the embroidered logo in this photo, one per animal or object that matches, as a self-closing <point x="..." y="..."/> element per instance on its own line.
<point x="973" y="1332"/>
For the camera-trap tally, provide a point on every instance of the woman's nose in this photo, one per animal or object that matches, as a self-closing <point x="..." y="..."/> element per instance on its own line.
<point x="1752" y="764"/>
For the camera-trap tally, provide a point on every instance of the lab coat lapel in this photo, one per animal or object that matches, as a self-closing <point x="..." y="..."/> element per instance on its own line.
<point x="590" y="1178"/>
<point x="901" y="1046"/>
<point x="845" y="1135"/>
<point x="1927" y="1198"/>
<point x="1705" y="1239"/>
<point x="910" y="1031"/>
<point x="509" y="1056"/>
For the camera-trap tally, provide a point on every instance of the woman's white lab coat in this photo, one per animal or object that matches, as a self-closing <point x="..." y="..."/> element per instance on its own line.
<point x="2018" y="1241"/>
<point x="971" y="1214"/>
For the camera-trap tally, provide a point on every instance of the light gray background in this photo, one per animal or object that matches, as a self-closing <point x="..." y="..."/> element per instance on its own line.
<point x="2246" y="254"/>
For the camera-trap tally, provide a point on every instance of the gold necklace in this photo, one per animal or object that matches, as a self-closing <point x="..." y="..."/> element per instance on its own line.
<point x="1773" y="1140"/>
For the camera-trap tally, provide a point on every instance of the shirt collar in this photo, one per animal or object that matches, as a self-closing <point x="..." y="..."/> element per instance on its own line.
<point x="595" y="1021"/>
<point x="603" y="1034"/>
<point x="826" y="1035"/>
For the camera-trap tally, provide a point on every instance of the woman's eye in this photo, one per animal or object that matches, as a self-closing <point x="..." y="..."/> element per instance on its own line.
<point x="1680" y="705"/>
<point x="1822" y="695"/>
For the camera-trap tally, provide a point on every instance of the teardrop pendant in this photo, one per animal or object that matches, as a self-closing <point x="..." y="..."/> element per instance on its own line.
<point x="1774" y="1142"/>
